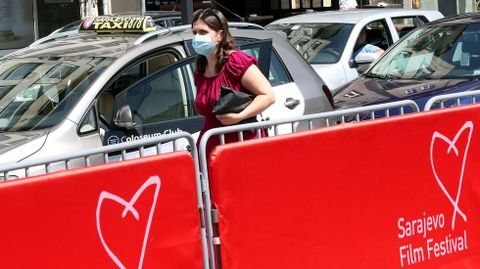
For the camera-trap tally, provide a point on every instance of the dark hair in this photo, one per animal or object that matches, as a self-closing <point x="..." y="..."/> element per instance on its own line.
<point x="216" y="21"/>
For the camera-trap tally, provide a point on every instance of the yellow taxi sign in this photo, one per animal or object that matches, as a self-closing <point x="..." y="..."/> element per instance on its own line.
<point x="137" y="24"/>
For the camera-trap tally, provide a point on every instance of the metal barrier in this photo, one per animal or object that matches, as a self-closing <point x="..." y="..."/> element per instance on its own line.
<point x="453" y="99"/>
<point x="156" y="145"/>
<point x="328" y="118"/>
<point x="339" y="116"/>
<point x="106" y="154"/>
<point x="144" y="147"/>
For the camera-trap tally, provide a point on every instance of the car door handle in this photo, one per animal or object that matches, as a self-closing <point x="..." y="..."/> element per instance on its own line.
<point x="291" y="103"/>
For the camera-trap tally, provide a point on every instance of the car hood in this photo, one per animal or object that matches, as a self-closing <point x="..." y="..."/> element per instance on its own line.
<point x="369" y="91"/>
<point x="19" y="145"/>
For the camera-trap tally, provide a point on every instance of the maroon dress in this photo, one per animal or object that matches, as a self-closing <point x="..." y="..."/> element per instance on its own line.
<point x="208" y="89"/>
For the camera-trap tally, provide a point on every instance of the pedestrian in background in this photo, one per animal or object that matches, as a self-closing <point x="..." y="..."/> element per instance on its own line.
<point x="348" y="4"/>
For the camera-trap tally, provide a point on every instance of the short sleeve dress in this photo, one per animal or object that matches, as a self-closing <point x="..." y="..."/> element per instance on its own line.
<point x="208" y="89"/>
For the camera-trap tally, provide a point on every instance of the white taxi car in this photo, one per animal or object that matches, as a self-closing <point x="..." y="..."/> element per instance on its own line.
<point x="99" y="88"/>
<point x="327" y="39"/>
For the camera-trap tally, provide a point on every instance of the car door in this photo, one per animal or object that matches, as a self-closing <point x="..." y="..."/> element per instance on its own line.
<point x="162" y="103"/>
<point x="289" y="101"/>
<point x="159" y="104"/>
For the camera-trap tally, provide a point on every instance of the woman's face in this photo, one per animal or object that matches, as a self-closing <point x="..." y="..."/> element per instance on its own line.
<point x="201" y="28"/>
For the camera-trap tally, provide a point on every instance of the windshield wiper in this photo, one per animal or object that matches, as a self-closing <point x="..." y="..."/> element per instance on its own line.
<point x="389" y="76"/>
<point x="370" y="75"/>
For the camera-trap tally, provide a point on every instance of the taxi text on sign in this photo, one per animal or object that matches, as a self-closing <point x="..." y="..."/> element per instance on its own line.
<point x="396" y="193"/>
<point x="133" y="214"/>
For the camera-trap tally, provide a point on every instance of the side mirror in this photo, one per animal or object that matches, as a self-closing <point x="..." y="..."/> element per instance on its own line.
<point x="365" y="58"/>
<point x="352" y="63"/>
<point x="123" y="118"/>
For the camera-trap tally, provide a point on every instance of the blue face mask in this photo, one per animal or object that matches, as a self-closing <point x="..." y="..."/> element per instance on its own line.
<point x="202" y="44"/>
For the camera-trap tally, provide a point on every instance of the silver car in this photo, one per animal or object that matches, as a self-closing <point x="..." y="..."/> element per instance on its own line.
<point x="93" y="89"/>
<point x="327" y="39"/>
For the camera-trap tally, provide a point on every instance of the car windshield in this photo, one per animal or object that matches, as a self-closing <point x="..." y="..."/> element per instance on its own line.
<point x="436" y="52"/>
<point x="318" y="43"/>
<point x="38" y="93"/>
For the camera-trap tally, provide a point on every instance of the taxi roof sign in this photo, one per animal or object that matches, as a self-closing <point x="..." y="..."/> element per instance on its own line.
<point x="111" y="24"/>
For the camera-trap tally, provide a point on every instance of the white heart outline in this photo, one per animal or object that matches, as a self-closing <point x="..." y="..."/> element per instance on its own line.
<point x="154" y="180"/>
<point x="456" y="209"/>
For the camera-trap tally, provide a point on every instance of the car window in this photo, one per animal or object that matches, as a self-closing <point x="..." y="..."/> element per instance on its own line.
<point x="37" y="93"/>
<point x="378" y="34"/>
<point x="318" y="43"/>
<point x="446" y="51"/>
<point x="163" y="96"/>
<point x="141" y="69"/>
<point x="128" y="77"/>
<point x="403" y="25"/>
<point x="277" y="74"/>
<point x="89" y="122"/>
<point x="19" y="71"/>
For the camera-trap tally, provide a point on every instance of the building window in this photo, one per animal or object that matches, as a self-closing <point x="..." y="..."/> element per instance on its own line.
<point x="295" y="4"/>
<point x="317" y="3"/>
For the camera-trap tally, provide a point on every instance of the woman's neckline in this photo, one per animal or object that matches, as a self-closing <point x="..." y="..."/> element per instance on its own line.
<point x="216" y="75"/>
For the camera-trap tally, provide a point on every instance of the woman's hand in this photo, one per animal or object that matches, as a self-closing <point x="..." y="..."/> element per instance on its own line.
<point x="229" y="118"/>
<point x="258" y="85"/>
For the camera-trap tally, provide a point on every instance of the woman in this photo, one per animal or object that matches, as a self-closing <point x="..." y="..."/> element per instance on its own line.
<point x="219" y="63"/>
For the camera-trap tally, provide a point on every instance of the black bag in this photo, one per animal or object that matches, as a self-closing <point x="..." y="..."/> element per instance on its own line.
<point x="232" y="101"/>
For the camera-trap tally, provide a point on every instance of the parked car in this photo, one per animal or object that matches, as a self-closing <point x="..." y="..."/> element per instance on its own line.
<point x="67" y="95"/>
<point x="327" y="39"/>
<point x="435" y="58"/>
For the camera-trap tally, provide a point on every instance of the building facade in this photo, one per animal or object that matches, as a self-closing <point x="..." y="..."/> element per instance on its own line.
<point x="24" y="21"/>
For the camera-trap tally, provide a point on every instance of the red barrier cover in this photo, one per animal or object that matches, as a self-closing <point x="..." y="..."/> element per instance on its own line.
<point x="136" y="214"/>
<point x="395" y="193"/>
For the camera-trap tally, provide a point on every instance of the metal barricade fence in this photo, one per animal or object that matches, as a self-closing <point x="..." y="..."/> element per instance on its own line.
<point x="105" y="154"/>
<point x="341" y="116"/>
<point x="156" y="145"/>
<point x="144" y="147"/>
<point x="453" y="99"/>
<point x="123" y="151"/>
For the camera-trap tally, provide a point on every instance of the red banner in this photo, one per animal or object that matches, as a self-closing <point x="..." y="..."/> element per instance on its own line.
<point x="135" y="214"/>
<point x="395" y="193"/>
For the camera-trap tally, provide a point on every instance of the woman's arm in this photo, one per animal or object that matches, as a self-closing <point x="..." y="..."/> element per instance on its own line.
<point x="258" y="85"/>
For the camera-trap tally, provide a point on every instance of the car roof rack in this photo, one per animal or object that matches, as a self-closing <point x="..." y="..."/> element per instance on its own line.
<point x="145" y="37"/>
<point x="56" y="36"/>
<point x="180" y="28"/>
